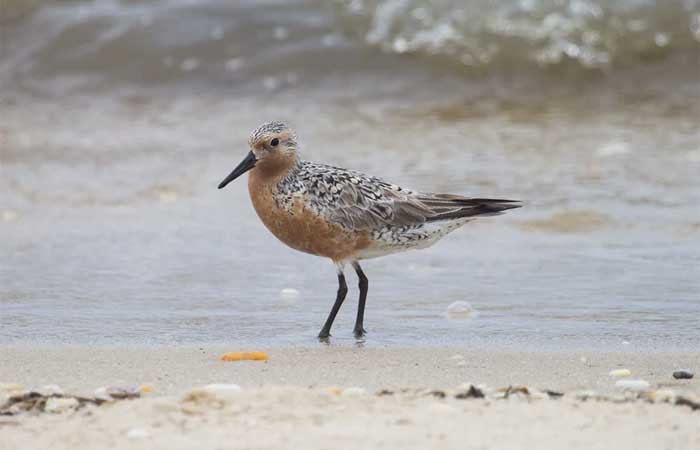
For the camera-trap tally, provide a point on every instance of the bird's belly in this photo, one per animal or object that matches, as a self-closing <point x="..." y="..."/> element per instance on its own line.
<point x="396" y="240"/>
<point x="305" y="230"/>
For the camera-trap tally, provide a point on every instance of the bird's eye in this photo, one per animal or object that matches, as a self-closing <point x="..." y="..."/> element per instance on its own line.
<point x="275" y="142"/>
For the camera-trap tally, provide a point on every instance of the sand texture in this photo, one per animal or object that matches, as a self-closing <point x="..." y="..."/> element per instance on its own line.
<point x="345" y="398"/>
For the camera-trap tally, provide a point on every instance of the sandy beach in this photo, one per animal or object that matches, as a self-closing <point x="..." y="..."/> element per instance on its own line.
<point x="355" y="397"/>
<point x="125" y="274"/>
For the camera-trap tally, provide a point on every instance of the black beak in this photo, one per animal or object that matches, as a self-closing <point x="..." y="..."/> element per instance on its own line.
<point x="245" y="165"/>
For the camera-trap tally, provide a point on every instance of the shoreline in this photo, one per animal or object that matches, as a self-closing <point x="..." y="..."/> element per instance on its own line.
<point x="349" y="398"/>
<point x="82" y="369"/>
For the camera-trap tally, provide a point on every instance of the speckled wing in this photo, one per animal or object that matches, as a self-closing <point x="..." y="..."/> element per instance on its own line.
<point x="360" y="202"/>
<point x="373" y="204"/>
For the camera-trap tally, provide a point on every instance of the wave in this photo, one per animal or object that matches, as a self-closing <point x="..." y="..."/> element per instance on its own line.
<point x="541" y="33"/>
<point x="78" y="44"/>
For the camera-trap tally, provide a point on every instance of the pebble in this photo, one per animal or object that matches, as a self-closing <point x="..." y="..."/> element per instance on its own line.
<point x="167" y="195"/>
<point x="138" y="433"/>
<point x="289" y="295"/>
<point x="101" y="394"/>
<point x="683" y="374"/>
<point x="613" y="148"/>
<point x="460" y="310"/>
<point x="620" y="373"/>
<point x="222" y="388"/>
<point x="353" y="391"/>
<point x="59" y="405"/>
<point x="633" y="385"/>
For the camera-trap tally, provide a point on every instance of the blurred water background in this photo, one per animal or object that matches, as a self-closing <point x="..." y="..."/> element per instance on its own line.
<point x="119" y="118"/>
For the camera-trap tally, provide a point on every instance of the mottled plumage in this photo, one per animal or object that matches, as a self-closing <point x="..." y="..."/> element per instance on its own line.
<point x="396" y="218"/>
<point x="342" y="214"/>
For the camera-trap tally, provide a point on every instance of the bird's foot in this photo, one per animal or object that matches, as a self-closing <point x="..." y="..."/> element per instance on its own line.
<point x="359" y="332"/>
<point x="324" y="335"/>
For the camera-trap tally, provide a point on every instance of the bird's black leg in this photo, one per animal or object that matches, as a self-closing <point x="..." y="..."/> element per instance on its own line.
<point x="364" y="285"/>
<point x="342" y="291"/>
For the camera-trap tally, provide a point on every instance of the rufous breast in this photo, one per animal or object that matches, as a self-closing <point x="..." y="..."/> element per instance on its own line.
<point x="301" y="228"/>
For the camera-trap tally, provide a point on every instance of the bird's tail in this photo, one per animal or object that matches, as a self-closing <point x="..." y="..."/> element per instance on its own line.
<point x="447" y="206"/>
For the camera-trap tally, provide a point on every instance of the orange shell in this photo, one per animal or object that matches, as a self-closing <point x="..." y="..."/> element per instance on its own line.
<point x="241" y="356"/>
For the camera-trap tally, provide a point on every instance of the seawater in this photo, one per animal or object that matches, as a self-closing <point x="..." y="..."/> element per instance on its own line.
<point x="118" y="120"/>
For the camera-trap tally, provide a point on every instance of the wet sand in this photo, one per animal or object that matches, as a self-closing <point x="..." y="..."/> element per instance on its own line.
<point x="321" y="397"/>
<point x="118" y="122"/>
<point x="171" y="370"/>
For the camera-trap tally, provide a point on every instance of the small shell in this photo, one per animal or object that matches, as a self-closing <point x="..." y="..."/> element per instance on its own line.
<point x="460" y="310"/>
<point x="620" y="373"/>
<point x="222" y="387"/>
<point x="120" y="393"/>
<point x="116" y="393"/>
<point x="289" y="295"/>
<point x="633" y="385"/>
<point x="138" y="433"/>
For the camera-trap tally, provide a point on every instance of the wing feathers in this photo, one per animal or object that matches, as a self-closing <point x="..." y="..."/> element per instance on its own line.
<point x="360" y="202"/>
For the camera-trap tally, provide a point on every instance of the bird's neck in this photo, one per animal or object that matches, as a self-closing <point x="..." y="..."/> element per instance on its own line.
<point x="271" y="171"/>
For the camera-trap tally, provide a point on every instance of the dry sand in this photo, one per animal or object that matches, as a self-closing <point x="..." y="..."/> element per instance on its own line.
<point x="291" y="401"/>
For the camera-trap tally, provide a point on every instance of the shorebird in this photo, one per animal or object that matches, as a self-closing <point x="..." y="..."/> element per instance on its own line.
<point x="345" y="215"/>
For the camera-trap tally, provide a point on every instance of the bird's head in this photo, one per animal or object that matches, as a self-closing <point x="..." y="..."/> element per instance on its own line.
<point x="273" y="150"/>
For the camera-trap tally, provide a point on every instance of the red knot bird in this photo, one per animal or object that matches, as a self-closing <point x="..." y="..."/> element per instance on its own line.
<point x="345" y="215"/>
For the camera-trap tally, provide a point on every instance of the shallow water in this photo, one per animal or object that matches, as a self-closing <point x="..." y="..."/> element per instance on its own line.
<point x="119" y="120"/>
